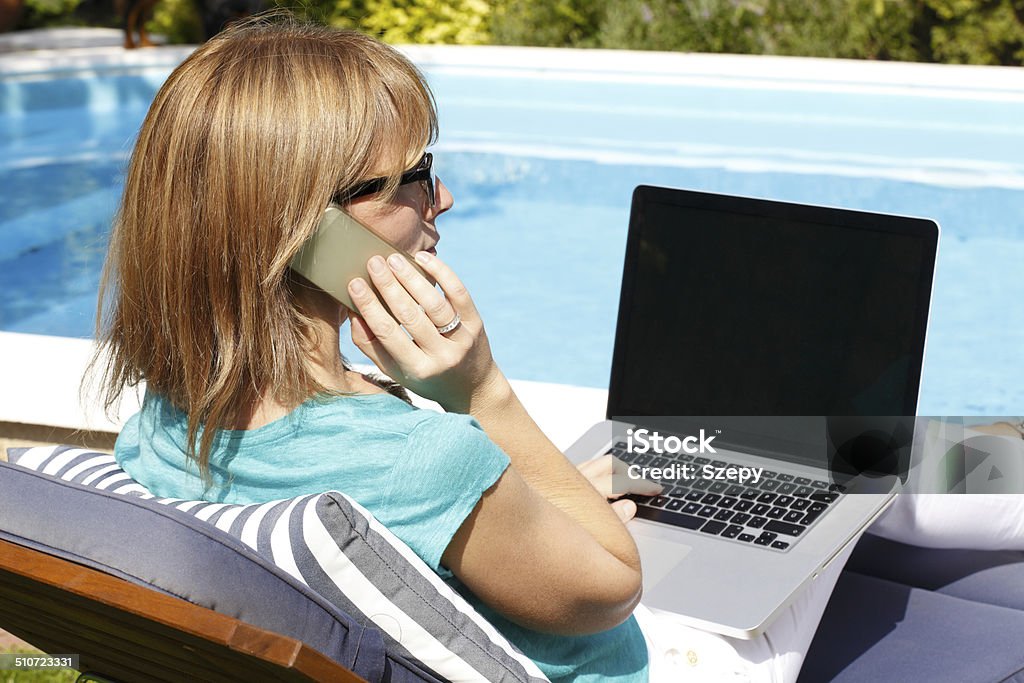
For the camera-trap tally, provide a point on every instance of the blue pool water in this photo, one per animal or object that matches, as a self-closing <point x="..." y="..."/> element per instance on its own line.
<point x="542" y="170"/>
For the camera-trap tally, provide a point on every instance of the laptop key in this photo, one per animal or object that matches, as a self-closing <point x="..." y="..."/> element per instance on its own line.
<point x="723" y="515"/>
<point x="810" y="517"/>
<point x="816" y="507"/>
<point x="770" y="484"/>
<point x="734" y="491"/>
<point x="727" y="502"/>
<point x="800" y="504"/>
<point x="621" y="445"/>
<point x="700" y="484"/>
<point x="740" y="518"/>
<point x="713" y="527"/>
<point x="784" y="501"/>
<point x="766" y="498"/>
<point x="765" y="538"/>
<point x="757" y="522"/>
<point x="746" y="538"/>
<point x="744" y="505"/>
<point x="692" y="508"/>
<point x="823" y="497"/>
<point x="678" y="492"/>
<point x="784" y="477"/>
<point x="783" y="528"/>
<point x="659" y="501"/>
<point x="780" y="545"/>
<point x="710" y="498"/>
<point x="673" y="518"/>
<point x="760" y="509"/>
<point x="732" y="531"/>
<point x="836" y="488"/>
<point x="718" y="487"/>
<point x="776" y="513"/>
<point x="643" y="459"/>
<point x="803" y="491"/>
<point x="750" y="494"/>
<point x="674" y="504"/>
<point x="819" y="484"/>
<point x="697" y="495"/>
<point x="802" y="481"/>
<point x="793" y="517"/>
<point x="627" y="457"/>
<point x="707" y="511"/>
<point x="702" y="461"/>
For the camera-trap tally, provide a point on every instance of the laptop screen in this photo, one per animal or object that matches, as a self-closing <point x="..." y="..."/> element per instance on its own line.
<point x="733" y="306"/>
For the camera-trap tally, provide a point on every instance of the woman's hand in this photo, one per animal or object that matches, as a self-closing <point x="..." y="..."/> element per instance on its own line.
<point x="607" y="470"/>
<point x="455" y="369"/>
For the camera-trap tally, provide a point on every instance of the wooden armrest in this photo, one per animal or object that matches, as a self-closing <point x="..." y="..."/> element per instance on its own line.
<point x="131" y="633"/>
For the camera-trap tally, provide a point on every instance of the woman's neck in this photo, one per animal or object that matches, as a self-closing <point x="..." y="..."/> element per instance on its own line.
<point x="326" y="366"/>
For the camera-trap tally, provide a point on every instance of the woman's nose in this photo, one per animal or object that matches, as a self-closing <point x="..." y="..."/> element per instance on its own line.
<point x="444" y="201"/>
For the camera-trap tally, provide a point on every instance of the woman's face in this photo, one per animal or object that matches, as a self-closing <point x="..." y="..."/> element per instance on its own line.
<point x="407" y="221"/>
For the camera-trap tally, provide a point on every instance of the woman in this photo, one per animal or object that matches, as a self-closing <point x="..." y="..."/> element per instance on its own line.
<point x="249" y="400"/>
<point x="245" y="145"/>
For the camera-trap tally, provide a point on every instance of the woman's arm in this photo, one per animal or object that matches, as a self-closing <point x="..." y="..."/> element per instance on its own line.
<point x="538" y="566"/>
<point x="574" y="550"/>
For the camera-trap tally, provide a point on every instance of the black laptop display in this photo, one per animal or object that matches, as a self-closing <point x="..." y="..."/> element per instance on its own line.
<point x="734" y="306"/>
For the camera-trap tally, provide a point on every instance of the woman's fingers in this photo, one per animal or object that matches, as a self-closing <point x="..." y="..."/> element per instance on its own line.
<point x="365" y="341"/>
<point x="610" y="477"/>
<point x="432" y="305"/>
<point x="452" y="286"/>
<point x="387" y="333"/>
<point x="625" y="509"/>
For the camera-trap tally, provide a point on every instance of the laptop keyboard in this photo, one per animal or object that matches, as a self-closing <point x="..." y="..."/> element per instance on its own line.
<point x="772" y="514"/>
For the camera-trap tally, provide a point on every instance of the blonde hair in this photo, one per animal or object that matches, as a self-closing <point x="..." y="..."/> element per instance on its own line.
<point x="242" y="149"/>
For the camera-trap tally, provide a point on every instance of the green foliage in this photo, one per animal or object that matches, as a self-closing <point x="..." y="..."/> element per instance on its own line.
<point x="42" y="13"/>
<point x="177" y="20"/>
<point x="959" y="31"/>
<point x="462" y="22"/>
<point x="977" y="31"/>
<point x="872" y="29"/>
<point x="555" y="23"/>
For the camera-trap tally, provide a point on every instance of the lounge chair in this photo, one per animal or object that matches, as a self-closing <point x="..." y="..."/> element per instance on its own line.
<point x="101" y="574"/>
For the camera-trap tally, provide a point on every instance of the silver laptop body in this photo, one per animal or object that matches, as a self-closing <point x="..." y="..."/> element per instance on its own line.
<point x="794" y="336"/>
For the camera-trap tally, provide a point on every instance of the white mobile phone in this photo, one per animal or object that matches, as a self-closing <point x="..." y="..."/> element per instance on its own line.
<point x="338" y="251"/>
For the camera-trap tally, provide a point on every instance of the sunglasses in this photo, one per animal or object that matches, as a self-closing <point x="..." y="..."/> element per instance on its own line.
<point x="422" y="173"/>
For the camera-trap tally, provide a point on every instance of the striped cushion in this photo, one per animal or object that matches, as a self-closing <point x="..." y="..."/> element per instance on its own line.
<point x="335" y="547"/>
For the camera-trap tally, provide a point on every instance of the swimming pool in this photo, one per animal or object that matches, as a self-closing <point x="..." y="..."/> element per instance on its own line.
<point x="542" y="150"/>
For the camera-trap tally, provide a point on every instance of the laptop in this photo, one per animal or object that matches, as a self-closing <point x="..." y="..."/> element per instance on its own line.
<point x="766" y="371"/>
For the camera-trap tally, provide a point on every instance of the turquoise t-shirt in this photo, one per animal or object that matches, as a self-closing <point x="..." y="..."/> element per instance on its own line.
<point x="418" y="471"/>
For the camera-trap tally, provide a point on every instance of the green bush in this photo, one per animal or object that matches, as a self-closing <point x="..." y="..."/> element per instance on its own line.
<point x="462" y="22"/>
<point x="42" y="13"/>
<point x="977" y="31"/>
<point x="178" y="21"/>
<point x="872" y="29"/>
<point x="958" y="31"/>
<point x="556" y="23"/>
